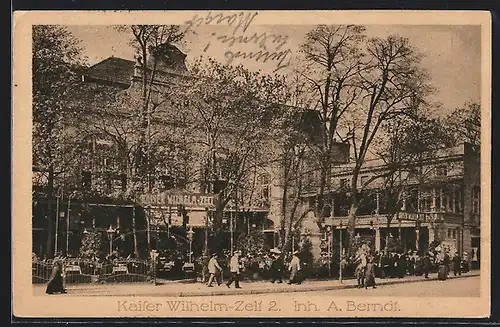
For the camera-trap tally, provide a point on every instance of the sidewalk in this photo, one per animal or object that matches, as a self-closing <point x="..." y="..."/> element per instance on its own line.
<point x="177" y="289"/>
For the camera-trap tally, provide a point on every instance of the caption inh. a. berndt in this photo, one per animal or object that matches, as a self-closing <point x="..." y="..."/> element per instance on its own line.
<point x="256" y="306"/>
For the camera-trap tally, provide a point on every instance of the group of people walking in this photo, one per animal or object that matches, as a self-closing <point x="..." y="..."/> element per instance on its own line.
<point x="398" y="265"/>
<point x="277" y="269"/>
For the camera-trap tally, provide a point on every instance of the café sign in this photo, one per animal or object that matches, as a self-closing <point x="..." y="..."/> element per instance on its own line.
<point x="174" y="199"/>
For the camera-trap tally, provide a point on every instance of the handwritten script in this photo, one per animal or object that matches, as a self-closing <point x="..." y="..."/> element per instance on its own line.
<point x="268" y="47"/>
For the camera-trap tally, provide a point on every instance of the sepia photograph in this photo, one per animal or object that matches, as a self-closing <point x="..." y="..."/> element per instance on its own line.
<point x="226" y="164"/>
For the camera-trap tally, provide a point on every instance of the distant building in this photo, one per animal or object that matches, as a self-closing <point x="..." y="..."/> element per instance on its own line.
<point x="438" y="202"/>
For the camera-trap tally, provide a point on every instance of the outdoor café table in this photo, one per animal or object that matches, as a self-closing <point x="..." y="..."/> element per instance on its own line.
<point x="121" y="268"/>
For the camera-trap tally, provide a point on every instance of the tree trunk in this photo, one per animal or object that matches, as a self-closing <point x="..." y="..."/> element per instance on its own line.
<point x="351" y="225"/>
<point x="217" y="222"/>
<point x="284" y="203"/>
<point x="50" y="213"/>
<point x="134" y="231"/>
<point x="219" y="213"/>
<point x="321" y="194"/>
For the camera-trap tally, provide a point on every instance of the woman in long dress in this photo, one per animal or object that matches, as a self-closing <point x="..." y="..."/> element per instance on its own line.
<point x="294" y="268"/>
<point x="370" y="274"/>
<point x="442" y="269"/>
<point x="55" y="284"/>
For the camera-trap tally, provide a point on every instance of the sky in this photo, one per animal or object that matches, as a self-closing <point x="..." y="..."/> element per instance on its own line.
<point x="452" y="53"/>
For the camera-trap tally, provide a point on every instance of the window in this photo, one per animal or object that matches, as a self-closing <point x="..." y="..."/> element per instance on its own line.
<point x="312" y="201"/>
<point x="444" y="206"/>
<point x="475" y="199"/>
<point x="155" y="97"/>
<point x="123" y="180"/>
<point x="427" y="203"/>
<point x="458" y="201"/>
<point x="265" y="193"/>
<point x="343" y="183"/>
<point x="265" y="180"/>
<point x="449" y="233"/>
<point x="437" y="199"/>
<point x="108" y="184"/>
<point x="86" y="179"/>
<point x="454" y="234"/>
<point x="364" y="180"/>
<point x="107" y="162"/>
<point x="441" y="171"/>
<point x="167" y="182"/>
<point x="451" y="201"/>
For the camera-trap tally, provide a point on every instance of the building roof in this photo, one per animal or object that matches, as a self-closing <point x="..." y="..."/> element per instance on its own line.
<point x="437" y="154"/>
<point x="120" y="71"/>
<point x="112" y="69"/>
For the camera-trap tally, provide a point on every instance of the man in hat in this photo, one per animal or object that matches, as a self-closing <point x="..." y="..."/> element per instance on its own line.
<point x="213" y="269"/>
<point x="234" y="268"/>
<point x="465" y="260"/>
<point x="294" y="269"/>
<point x="276" y="266"/>
<point x="456" y="260"/>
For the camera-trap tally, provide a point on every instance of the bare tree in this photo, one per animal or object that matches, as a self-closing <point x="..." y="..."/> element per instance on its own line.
<point x="408" y="143"/>
<point x="393" y="85"/>
<point x="58" y="96"/>
<point x="153" y="45"/>
<point x="232" y="112"/>
<point x="333" y="62"/>
<point x="465" y="124"/>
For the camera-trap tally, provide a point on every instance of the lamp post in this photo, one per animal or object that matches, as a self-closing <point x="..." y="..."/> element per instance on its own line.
<point x="67" y="224"/>
<point x="231" y="230"/>
<point x="154" y="255"/>
<point x="274" y="237"/>
<point x="206" y="230"/>
<point x="190" y="238"/>
<point x="326" y="231"/>
<point x="58" y="215"/>
<point x="341" y="251"/>
<point x="111" y="232"/>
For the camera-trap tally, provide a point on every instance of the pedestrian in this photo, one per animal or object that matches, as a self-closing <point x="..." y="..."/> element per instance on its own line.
<point x="360" y="270"/>
<point x="369" y="276"/>
<point x="410" y="263"/>
<point x="276" y="267"/>
<point x="386" y="265"/>
<point x="55" y="284"/>
<point x="294" y="268"/>
<point x="456" y="261"/>
<point x="465" y="262"/>
<point x="234" y="268"/>
<point x="441" y="262"/>
<point x="427" y="264"/>
<point x="213" y="269"/>
<point x="393" y="265"/>
<point x="376" y="263"/>
<point x="447" y="261"/>
<point x="401" y="265"/>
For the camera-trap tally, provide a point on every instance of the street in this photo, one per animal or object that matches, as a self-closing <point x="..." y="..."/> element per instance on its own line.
<point x="466" y="286"/>
<point x="463" y="287"/>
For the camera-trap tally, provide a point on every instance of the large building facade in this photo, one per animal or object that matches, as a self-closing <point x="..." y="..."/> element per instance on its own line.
<point x="435" y="201"/>
<point x="441" y="203"/>
<point x="183" y="178"/>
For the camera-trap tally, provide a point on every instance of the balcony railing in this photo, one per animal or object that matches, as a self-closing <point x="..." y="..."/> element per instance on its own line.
<point x="405" y="217"/>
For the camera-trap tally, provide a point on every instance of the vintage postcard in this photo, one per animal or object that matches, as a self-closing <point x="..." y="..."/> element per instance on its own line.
<point x="251" y="164"/>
